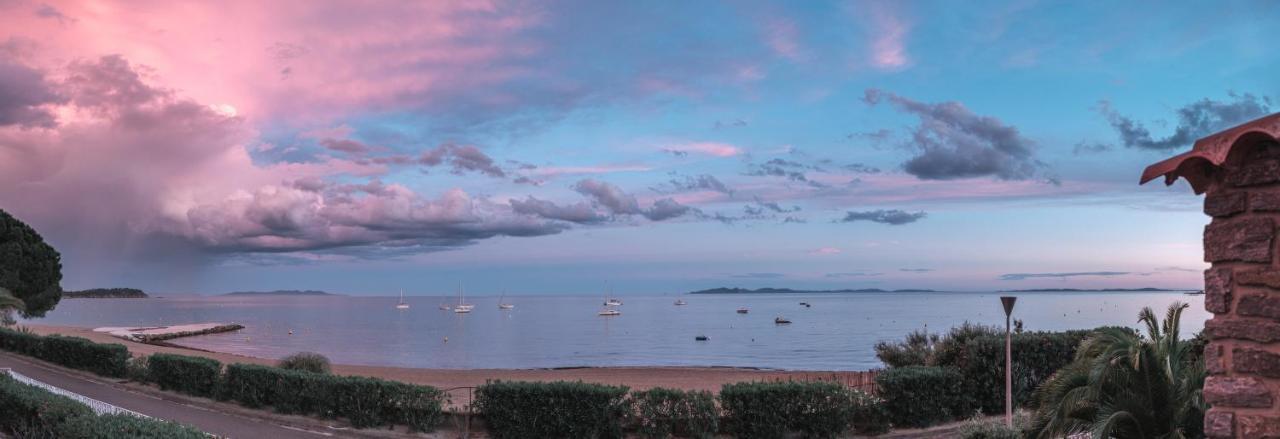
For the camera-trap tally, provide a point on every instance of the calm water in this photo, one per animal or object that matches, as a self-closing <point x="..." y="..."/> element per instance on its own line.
<point x="837" y="333"/>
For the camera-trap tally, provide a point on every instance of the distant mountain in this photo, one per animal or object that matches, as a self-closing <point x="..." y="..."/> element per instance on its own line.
<point x="1096" y="290"/>
<point x="106" y="293"/>
<point x="723" y="290"/>
<point x="281" y="293"/>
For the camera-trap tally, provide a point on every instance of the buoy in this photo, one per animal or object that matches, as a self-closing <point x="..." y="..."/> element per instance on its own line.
<point x="446" y="339"/>
<point x="290" y="332"/>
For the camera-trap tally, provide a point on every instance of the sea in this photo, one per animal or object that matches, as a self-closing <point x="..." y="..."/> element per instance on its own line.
<point x="836" y="332"/>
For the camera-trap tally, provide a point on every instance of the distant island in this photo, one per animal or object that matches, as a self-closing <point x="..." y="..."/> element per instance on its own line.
<point x="281" y="293"/>
<point x="106" y="293"/>
<point x="1094" y="290"/>
<point x="791" y="291"/>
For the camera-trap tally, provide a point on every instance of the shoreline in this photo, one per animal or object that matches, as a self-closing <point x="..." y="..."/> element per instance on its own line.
<point x="709" y="378"/>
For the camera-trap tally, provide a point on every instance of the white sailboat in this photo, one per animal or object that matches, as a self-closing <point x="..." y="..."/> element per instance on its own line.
<point x="462" y="307"/>
<point x="402" y="304"/>
<point x="608" y="310"/>
<point x="611" y="301"/>
<point x="502" y="304"/>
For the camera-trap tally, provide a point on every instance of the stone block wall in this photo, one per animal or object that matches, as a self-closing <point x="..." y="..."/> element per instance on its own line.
<point x="1242" y="290"/>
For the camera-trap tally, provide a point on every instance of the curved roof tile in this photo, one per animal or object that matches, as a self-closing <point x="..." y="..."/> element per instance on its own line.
<point x="1210" y="152"/>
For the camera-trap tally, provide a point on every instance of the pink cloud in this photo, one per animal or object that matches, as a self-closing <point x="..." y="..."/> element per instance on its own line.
<point x="782" y="37"/>
<point x="825" y="251"/>
<point x="716" y="149"/>
<point x="888" y="34"/>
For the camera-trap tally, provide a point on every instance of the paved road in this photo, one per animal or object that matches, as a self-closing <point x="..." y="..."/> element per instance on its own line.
<point x="218" y="423"/>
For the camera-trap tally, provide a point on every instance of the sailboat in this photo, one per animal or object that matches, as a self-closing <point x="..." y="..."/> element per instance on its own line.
<point x="608" y="310"/>
<point x="503" y="304"/>
<point x="611" y="302"/>
<point x="462" y="307"/>
<point x="402" y="304"/>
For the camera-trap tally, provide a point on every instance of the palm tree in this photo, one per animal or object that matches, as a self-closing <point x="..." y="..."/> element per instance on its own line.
<point x="1123" y="385"/>
<point x="8" y="304"/>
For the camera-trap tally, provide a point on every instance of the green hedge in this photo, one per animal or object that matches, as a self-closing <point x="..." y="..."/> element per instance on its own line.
<point x="124" y="427"/>
<point x="78" y="353"/>
<point x="24" y="343"/>
<point x="73" y="352"/>
<point x="552" y="409"/>
<point x="365" y="402"/>
<point x="661" y="413"/>
<point x="196" y="376"/>
<point x="814" y="409"/>
<point x="1036" y="356"/>
<point x="920" y="396"/>
<point x="29" y="411"/>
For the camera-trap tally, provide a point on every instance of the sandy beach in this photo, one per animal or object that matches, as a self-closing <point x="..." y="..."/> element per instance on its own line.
<point x="688" y="378"/>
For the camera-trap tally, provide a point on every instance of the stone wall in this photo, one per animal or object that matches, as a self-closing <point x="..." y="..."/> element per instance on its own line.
<point x="1242" y="290"/>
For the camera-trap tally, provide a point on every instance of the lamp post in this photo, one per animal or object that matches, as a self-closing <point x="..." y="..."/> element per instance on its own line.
<point x="1008" y="302"/>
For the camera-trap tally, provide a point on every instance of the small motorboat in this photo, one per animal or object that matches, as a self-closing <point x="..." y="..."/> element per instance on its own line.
<point x="743" y="310"/>
<point x="445" y="307"/>
<point x="700" y="338"/>
<point x="781" y="321"/>
<point x="681" y="303"/>
<point x="609" y="312"/>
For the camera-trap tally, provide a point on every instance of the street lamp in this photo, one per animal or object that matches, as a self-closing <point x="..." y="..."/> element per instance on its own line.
<point x="1008" y="302"/>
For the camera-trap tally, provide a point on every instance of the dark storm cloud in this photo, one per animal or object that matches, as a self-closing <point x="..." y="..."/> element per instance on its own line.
<point x="1023" y="276"/>
<point x="1195" y="120"/>
<point x="952" y="142"/>
<point x="893" y="217"/>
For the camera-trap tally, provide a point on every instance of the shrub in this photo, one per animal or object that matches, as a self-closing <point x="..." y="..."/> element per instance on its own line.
<point x="196" y="376"/>
<point x="78" y="353"/>
<point x="979" y="428"/>
<point x="920" y="396"/>
<point x="869" y="415"/>
<point x="365" y="402"/>
<point x="551" y="409"/>
<point x="920" y="348"/>
<point x="29" y="411"/>
<point x="1036" y="356"/>
<point x="814" y="409"/>
<point x="138" y="369"/>
<point x="305" y="361"/>
<point x="660" y="413"/>
<point x="22" y="342"/>
<point x="124" y="427"/>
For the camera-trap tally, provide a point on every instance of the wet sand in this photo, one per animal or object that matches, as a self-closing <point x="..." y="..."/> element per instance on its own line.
<point x="687" y="378"/>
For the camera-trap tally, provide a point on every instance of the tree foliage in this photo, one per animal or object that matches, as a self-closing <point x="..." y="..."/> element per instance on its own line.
<point x="1122" y="385"/>
<point x="29" y="268"/>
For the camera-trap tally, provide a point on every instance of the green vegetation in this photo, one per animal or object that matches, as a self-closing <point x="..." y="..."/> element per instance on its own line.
<point x="73" y="352"/>
<point x="814" y="409"/>
<point x="28" y="411"/>
<point x="920" y="396"/>
<point x="1123" y="385"/>
<point x="552" y="409"/>
<point x="1037" y="355"/>
<point x="30" y="269"/>
<point x="980" y="428"/>
<point x="196" y="376"/>
<point x="661" y="413"/>
<point x="305" y="361"/>
<point x="106" y="293"/>
<point x="8" y="305"/>
<point x="365" y="402"/>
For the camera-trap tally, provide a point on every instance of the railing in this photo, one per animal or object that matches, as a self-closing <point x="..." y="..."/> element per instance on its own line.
<point x="98" y="407"/>
<point x="860" y="380"/>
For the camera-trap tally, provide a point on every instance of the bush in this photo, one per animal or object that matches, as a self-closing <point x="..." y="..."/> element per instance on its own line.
<point x="551" y="409"/>
<point x="660" y="413"/>
<point x="815" y="409"/>
<point x="21" y="342"/>
<point x="920" y="396"/>
<point x="920" y="348"/>
<point x="78" y="353"/>
<point x="196" y="376"/>
<point x="365" y="402"/>
<point x="29" y="411"/>
<point x="73" y="352"/>
<point x="124" y="427"/>
<point x="138" y="369"/>
<point x="978" y="428"/>
<point x="305" y="361"/>
<point x="1036" y="356"/>
<point x="869" y="415"/>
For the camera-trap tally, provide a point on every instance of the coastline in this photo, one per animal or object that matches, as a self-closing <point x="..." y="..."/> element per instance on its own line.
<point x="635" y="377"/>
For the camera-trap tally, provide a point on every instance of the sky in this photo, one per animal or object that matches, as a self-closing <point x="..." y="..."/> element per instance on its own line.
<point x="656" y="147"/>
